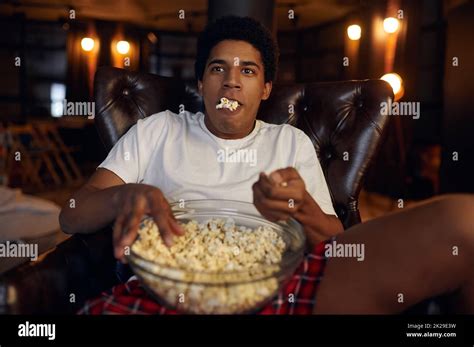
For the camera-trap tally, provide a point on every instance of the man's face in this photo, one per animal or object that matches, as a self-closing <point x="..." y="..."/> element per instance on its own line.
<point x="234" y="70"/>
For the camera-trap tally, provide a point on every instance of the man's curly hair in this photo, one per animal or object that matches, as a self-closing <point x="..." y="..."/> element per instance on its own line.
<point x="242" y="29"/>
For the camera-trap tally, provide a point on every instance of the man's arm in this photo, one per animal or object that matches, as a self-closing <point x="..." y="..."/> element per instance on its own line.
<point x="91" y="207"/>
<point x="318" y="225"/>
<point x="105" y="198"/>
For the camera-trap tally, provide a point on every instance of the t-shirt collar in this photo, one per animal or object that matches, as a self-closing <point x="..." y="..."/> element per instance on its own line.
<point x="229" y="142"/>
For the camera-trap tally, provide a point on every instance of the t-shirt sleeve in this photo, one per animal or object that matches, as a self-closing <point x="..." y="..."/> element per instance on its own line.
<point x="124" y="158"/>
<point x="309" y="168"/>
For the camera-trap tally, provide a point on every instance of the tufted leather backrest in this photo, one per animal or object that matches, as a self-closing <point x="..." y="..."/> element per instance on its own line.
<point x="342" y="119"/>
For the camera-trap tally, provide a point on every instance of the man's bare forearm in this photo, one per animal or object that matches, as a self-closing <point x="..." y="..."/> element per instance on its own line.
<point x="318" y="225"/>
<point x="89" y="210"/>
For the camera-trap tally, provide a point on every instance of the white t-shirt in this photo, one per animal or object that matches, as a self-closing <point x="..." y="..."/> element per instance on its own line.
<point x="180" y="156"/>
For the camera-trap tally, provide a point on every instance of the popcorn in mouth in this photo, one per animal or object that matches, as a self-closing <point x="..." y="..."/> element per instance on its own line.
<point x="229" y="104"/>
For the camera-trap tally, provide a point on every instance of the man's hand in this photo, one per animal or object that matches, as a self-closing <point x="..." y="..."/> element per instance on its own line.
<point x="132" y="202"/>
<point x="283" y="195"/>
<point x="280" y="195"/>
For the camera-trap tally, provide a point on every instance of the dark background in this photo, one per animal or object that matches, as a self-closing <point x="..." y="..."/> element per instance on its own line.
<point x="416" y="159"/>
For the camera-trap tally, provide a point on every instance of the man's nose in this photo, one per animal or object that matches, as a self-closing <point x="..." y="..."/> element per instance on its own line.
<point x="232" y="78"/>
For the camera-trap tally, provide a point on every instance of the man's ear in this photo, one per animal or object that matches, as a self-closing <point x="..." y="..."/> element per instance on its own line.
<point x="200" y="87"/>
<point x="267" y="89"/>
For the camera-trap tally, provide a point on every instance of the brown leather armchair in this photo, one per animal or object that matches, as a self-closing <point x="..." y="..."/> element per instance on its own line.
<point x="342" y="119"/>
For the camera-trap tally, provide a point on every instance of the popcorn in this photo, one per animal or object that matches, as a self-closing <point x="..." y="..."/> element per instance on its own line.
<point x="216" y="245"/>
<point x="229" y="104"/>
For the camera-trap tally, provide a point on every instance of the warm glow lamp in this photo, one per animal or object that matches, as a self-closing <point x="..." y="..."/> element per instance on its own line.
<point x="390" y="25"/>
<point x="123" y="47"/>
<point x="396" y="83"/>
<point x="87" y="44"/>
<point x="354" y="32"/>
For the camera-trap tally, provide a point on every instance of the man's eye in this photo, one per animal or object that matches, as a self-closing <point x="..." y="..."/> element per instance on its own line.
<point x="217" y="68"/>
<point x="248" y="71"/>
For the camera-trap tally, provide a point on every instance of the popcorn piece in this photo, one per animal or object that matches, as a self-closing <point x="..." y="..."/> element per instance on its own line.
<point x="229" y="104"/>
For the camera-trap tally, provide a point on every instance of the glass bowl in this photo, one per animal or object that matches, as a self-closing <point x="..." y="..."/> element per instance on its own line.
<point x="223" y="292"/>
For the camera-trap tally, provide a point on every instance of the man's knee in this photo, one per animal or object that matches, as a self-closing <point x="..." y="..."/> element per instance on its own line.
<point x="457" y="211"/>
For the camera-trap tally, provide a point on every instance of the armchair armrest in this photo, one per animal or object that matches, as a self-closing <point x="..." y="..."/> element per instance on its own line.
<point x="76" y="270"/>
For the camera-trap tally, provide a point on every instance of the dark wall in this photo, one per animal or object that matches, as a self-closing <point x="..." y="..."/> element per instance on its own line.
<point x="261" y="10"/>
<point x="313" y="54"/>
<point x="409" y="160"/>
<point x="458" y="119"/>
<point x="25" y="89"/>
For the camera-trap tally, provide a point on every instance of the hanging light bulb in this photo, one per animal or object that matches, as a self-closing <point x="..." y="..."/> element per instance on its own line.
<point x="123" y="47"/>
<point x="87" y="44"/>
<point x="390" y="25"/>
<point x="354" y="31"/>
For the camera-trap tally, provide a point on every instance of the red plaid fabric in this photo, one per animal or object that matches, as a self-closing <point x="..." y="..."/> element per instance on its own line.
<point x="297" y="297"/>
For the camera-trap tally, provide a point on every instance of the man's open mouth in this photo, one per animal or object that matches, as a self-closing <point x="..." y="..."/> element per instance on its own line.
<point x="226" y="103"/>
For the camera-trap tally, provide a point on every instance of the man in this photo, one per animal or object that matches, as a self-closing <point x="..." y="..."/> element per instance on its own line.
<point x="168" y="157"/>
